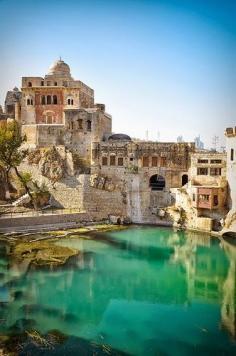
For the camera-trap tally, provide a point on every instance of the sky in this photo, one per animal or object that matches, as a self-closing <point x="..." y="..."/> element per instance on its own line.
<point x="163" y="68"/>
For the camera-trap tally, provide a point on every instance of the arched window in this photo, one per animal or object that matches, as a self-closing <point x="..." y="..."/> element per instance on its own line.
<point x="68" y="101"/>
<point x="31" y="102"/>
<point x="55" y="84"/>
<point x="42" y="83"/>
<point x="49" y="119"/>
<point x="184" y="179"/>
<point x="89" y="125"/>
<point x="157" y="182"/>
<point x="49" y="100"/>
<point x="29" y="84"/>
<point x="28" y="101"/>
<point x="72" y="102"/>
<point x="80" y="124"/>
<point x="43" y="100"/>
<point x="54" y="99"/>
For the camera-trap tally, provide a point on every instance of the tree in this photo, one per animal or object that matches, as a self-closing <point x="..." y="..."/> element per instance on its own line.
<point x="11" y="153"/>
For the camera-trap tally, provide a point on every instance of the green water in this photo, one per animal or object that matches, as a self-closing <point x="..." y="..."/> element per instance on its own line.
<point x="143" y="291"/>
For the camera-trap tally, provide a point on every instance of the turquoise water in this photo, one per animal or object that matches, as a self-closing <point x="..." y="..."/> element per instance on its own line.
<point x="141" y="291"/>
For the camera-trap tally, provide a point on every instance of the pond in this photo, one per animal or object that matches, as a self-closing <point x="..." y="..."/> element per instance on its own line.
<point x="139" y="291"/>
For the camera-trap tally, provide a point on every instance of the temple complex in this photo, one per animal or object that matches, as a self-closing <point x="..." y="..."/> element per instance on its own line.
<point x="88" y="167"/>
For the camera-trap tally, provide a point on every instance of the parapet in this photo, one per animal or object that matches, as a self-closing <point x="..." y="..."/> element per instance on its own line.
<point x="230" y="131"/>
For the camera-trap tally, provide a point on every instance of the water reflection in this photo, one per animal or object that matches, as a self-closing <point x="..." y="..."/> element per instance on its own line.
<point x="228" y="310"/>
<point x="121" y="284"/>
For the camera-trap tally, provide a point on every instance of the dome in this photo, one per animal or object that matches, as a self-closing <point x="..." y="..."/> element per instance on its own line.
<point x="60" y="69"/>
<point x="119" y="137"/>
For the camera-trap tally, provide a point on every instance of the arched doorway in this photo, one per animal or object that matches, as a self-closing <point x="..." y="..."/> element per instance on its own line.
<point x="157" y="182"/>
<point x="184" y="179"/>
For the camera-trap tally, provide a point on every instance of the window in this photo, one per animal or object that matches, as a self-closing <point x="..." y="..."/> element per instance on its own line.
<point x="145" y="161"/>
<point x="202" y="171"/>
<point x="55" y="84"/>
<point x="28" y="101"/>
<point x="72" y="125"/>
<point x="43" y="100"/>
<point x="216" y="161"/>
<point x="184" y="179"/>
<point x="80" y="124"/>
<point x="31" y="101"/>
<point x="120" y="161"/>
<point x="215" y="171"/>
<point x="70" y="101"/>
<point x="154" y="161"/>
<point x="157" y="182"/>
<point x="29" y="84"/>
<point x="104" y="161"/>
<point x="54" y="99"/>
<point x="215" y="200"/>
<point x="49" y="100"/>
<point x="202" y="161"/>
<point x="89" y="125"/>
<point x="232" y="154"/>
<point x="194" y="197"/>
<point x="42" y="83"/>
<point x="163" y="161"/>
<point x="131" y="159"/>
<point x="204" y="197"/>
<point x="48" y="84"/>
<point x="112" y="160"/>
<point x="49" y="119"/>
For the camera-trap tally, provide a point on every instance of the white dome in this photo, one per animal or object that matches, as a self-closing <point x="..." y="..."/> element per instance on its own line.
<point x="60" y="69"/>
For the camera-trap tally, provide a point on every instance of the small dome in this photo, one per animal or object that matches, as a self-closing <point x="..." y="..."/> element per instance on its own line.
<point x="119" y="137"/>
<point x="60" y="69"/>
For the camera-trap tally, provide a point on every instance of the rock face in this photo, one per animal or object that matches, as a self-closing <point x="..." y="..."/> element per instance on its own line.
<point x="52" y="165"/>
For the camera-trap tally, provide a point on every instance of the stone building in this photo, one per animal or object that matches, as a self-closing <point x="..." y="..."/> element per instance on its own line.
<point x="111" y="174"/>
<point x="58" y="110"/>
<point x="230" y="133"/>
<point x="204" y="198"/>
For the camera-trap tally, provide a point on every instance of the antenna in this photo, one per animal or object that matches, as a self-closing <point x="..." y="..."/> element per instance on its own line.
<point x="215" y="142"/>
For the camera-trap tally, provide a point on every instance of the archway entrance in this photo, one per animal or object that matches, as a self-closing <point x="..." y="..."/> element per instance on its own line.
<point x="184" y="179"/>
<point x="157" y="182"/>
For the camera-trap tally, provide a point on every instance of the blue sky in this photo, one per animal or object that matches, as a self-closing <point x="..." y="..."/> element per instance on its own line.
<point x="162" y="66"/>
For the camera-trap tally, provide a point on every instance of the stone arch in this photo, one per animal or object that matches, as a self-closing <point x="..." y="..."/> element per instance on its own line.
<point x="157" y="182"/>
<point x="89" y="125"/>
<point x="184" y="179"/>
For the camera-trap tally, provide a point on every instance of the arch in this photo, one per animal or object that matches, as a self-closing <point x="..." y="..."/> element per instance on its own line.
<point x="184" y="179"/>
<point x="72" y="102"/>
<point x="29" y="84"/>
<point x="80" y="124"/>
<point x="43" y="100"/>
<point x="28" y="101"/>
<point x="89" y="125"/>
<point x="68" y="101"/>
<point x="49" y="99"/>
<point x="54" y="99"/>
<point x="157" y="182"/>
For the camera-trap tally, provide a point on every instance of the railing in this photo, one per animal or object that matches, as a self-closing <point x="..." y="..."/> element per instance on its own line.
<point x="36" y="213"/>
